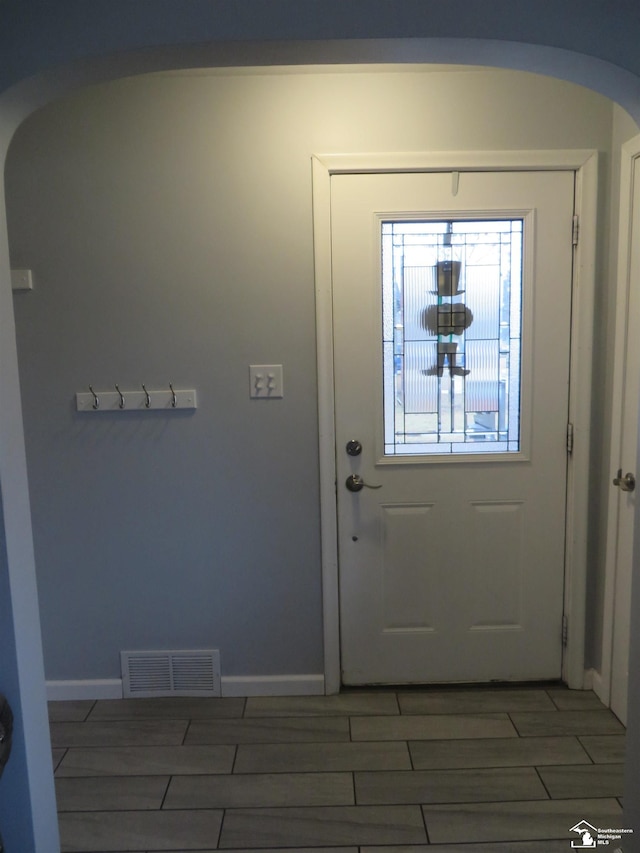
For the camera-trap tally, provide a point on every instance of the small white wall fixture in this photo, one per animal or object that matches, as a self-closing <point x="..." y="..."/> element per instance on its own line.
<point x="585" y="165"/>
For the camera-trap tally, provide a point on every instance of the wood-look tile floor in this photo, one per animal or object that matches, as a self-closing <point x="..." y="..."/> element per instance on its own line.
<point x="480" y="770"/>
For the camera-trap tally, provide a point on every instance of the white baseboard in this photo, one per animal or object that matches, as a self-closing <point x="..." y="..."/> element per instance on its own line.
<point x="239" y="685"/>
<point x="98" y="688"/>
<point x="273" y="685"/>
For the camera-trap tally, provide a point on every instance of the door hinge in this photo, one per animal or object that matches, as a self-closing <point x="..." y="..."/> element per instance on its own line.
<point x="569" y="437"/>
<point x="575" y="230"/>
<point x="565" y="631"/>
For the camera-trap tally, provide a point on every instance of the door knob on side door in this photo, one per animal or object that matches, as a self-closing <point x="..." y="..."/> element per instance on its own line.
<point x="355" y="483"/>
<point x="626" y="483"/>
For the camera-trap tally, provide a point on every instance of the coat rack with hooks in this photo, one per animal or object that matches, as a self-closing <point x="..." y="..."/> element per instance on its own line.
<point x="141" y="400"/>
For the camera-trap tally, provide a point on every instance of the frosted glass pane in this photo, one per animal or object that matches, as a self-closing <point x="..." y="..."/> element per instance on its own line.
<point x="389" y="390"/>
<point x="452" y="307"/>
<point x="420" y="386"/>
<point x="419" y="296"/>
<point x="483" y="381"/>
<point x="513" y="385"/>
<point x="515" y="320"/>
<point x="489" y="226"/>
<point x="387" y="286"/>
<point x="421" y="427"/>
<point x="483" y="298"/>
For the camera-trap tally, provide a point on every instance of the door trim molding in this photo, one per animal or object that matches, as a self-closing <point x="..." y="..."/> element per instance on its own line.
<point x="585" y="165"/>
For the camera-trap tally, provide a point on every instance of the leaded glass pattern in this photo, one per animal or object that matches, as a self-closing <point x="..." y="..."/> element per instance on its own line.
<point x="451" y="323"/>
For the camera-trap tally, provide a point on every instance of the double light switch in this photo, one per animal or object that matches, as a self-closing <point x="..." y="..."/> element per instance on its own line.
<point x="266" y="381"/>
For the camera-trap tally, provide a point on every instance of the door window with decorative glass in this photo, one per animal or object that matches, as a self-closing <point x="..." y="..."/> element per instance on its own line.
<point x="452" y="320"/>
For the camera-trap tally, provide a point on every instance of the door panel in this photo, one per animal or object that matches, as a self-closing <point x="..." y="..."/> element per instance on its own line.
<point x="408" y="594"/>
<point x="497" y="530"/>
<point x="453" y="569"/>
<point x="625" y="426"/>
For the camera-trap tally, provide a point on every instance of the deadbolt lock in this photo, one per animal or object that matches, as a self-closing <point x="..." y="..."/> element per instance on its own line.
<point x="626" y="483"/>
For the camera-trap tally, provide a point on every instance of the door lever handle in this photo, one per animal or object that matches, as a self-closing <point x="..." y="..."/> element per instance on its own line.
<point x="626" y="483"/>
<point x="355" y="483"/>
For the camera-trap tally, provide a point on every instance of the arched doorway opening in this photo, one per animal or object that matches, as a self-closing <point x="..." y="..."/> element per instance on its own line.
<point x="23" y="104"/>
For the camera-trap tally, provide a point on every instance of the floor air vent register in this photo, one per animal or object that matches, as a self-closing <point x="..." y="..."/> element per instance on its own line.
<point x="170" y="673"/>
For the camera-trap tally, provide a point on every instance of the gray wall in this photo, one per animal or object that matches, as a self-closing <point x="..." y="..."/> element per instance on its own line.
<point x="167" y="220"/>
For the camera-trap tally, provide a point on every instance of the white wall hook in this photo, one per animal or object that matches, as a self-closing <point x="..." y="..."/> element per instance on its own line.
<point x="136" y="401"/>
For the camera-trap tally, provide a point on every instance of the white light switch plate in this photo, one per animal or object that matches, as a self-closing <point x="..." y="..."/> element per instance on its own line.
<point x="265" y="381"/>
<point x="21" y="280"/>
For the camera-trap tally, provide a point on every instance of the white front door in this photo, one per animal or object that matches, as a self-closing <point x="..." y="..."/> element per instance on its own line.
<point x="452" y="308"/>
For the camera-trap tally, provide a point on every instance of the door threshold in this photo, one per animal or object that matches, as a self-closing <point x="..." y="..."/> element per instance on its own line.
<point x="547" y="684"/>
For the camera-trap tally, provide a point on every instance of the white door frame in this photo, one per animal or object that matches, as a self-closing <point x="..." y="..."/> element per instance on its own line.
<point x="585" y="164"/>
<point x="625" y="329"/>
